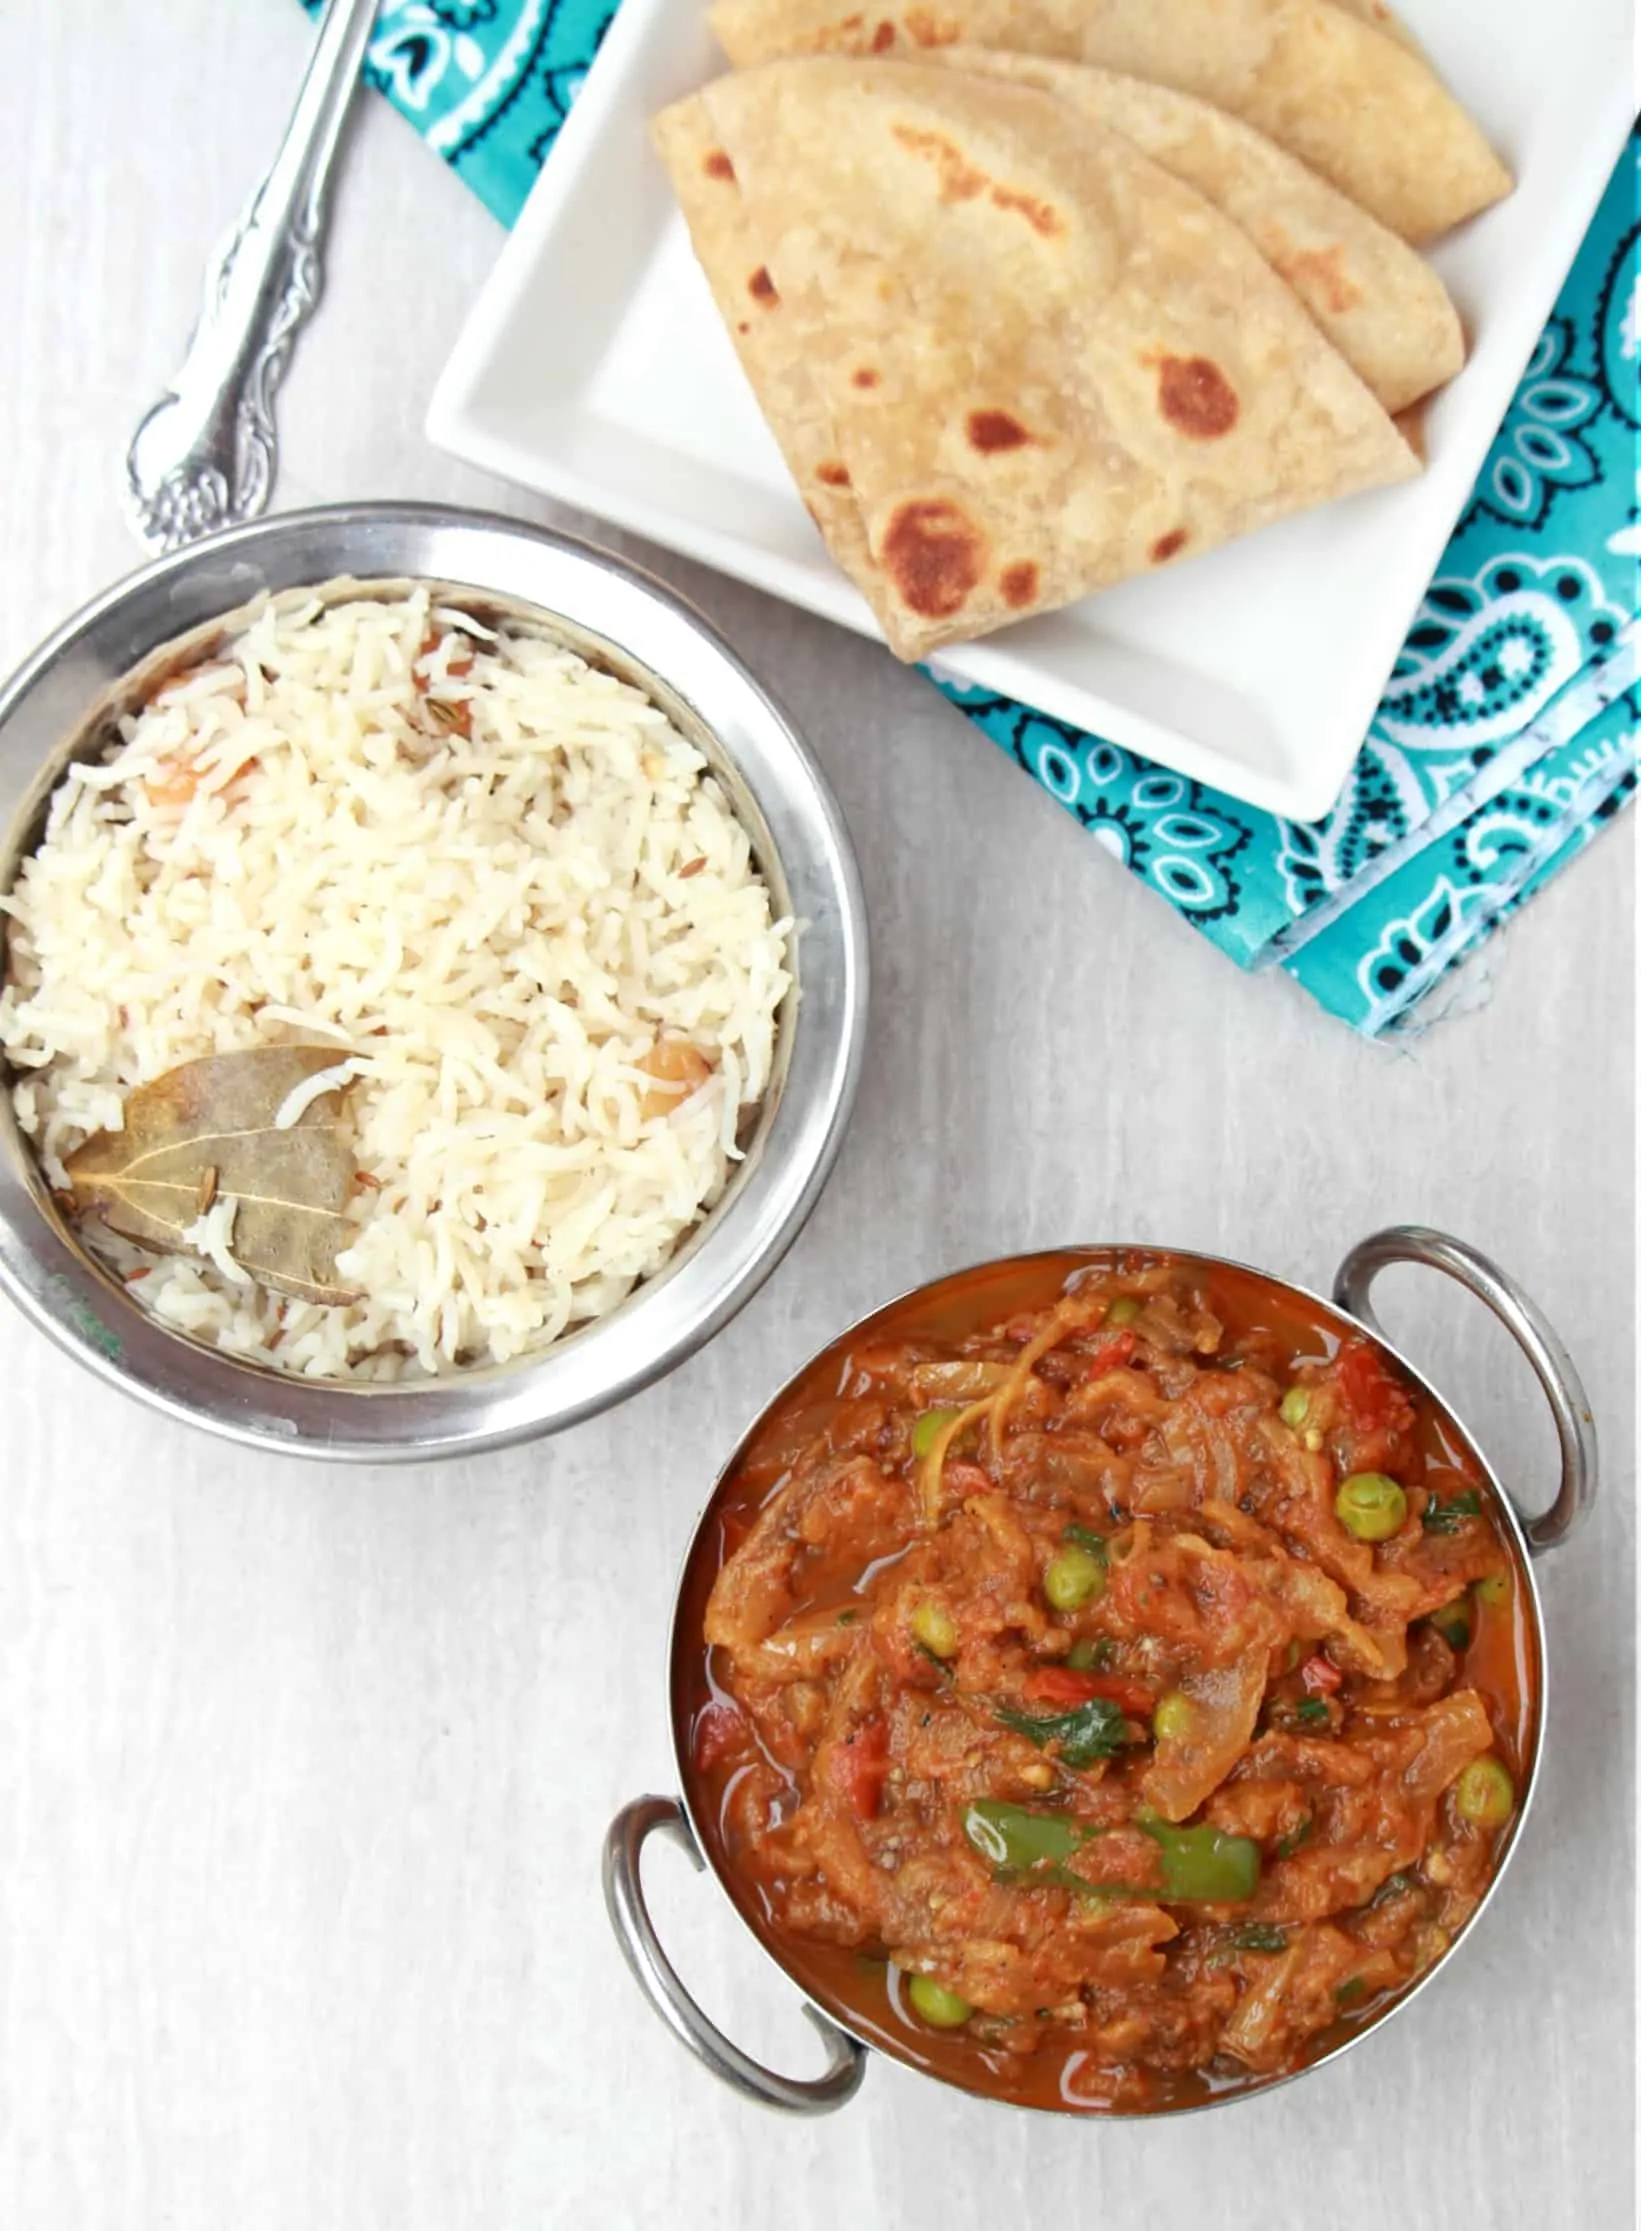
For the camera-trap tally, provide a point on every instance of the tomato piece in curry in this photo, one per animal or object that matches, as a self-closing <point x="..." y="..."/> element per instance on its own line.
<point x="1115" y="1683"/>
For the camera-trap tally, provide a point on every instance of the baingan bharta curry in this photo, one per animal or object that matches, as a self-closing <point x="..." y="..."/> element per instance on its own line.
<point x="1110" y="1705"/>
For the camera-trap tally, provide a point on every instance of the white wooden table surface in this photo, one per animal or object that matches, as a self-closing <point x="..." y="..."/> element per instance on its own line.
<point x="303" y="1771"/>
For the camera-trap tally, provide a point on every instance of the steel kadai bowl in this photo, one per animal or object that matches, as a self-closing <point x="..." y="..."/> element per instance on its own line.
<point x="61" y="706"/>
<point x="966" y="1303"/>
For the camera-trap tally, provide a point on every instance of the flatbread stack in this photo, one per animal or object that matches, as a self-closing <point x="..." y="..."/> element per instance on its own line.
<point x="1037" y="295"/>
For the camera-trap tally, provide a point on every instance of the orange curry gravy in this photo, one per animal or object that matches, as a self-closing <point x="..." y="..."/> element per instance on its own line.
<point x="1040" y="1666"/>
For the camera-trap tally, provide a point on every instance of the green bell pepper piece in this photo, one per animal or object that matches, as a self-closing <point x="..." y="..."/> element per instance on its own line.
<point x="928" y="1427"/>
<point x="1197" y="1863"/>
<point x="1014" y="1837"/>
<point x="1204" y="1863"/>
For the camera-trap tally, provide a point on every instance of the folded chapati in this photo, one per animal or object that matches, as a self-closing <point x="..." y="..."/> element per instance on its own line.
<point x="1375" y="298"/>
<point x="1360" y="106"/>
<point x="729" y="251"/>
<point x="1031" y="361"/>
<point x="1382" y="19"/>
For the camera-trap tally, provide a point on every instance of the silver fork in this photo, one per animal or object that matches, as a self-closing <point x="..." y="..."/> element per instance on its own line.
<point x="205" y="455"/>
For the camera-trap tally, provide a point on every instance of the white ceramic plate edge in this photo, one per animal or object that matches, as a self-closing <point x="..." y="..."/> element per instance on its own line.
<point x="1307" y="791"/>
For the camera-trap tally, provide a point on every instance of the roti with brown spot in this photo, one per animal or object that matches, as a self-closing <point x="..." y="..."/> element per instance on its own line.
<point x="765" y="337"/>
<point x="1375" y="298"/>
<point x="1075" y="367"/>
<point x="1350" y="95"/>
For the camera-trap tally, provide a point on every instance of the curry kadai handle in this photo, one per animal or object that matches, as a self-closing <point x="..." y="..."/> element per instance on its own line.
<point x="658" y="1980"/>
<point x="1528" y="1327"/>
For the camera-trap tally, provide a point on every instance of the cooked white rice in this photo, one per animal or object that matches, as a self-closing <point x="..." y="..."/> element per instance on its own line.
<point x="498" y="930"/>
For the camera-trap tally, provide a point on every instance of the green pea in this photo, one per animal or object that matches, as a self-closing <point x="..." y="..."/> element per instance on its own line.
<point x="1075" y="1576"/>
<point x="940" y="2008"/>
<point x="1296" y="1407"/>
<point x="935" y="1628"/>
<point x="1173" y="1719"/>
<point x="1371" y="1506"/>
<point x="1494" y="1590"/>
<point x="1080" y="1657"/>
<point x="1452" y="1623"/>
<point x="1123" y="1310"/>
<point x="1484" y="1792"/>
<point x="930" y="1425"/>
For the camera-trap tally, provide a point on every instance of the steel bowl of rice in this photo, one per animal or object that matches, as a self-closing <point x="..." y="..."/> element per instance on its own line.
<point x="434" y="983"/>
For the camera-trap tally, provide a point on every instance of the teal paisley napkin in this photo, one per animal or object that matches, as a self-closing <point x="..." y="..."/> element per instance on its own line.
<point x="1508" y="733"/>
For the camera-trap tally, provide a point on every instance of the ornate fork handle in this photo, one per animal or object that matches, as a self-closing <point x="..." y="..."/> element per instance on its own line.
<point x="205" y="454"/>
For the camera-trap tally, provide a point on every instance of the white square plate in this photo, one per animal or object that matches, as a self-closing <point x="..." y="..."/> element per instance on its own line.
<point x="595" y="369"/>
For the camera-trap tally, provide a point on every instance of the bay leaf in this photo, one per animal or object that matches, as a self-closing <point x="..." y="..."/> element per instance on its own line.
<point x="217" y="1115"/>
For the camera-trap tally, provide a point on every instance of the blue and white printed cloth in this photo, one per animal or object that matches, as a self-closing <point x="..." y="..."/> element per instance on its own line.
<point x="1508" y="734"/>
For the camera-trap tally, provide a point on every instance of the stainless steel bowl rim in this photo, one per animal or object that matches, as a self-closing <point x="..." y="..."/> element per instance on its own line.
<point x="634" y="623"/>
<point x="849" y="2043"/>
